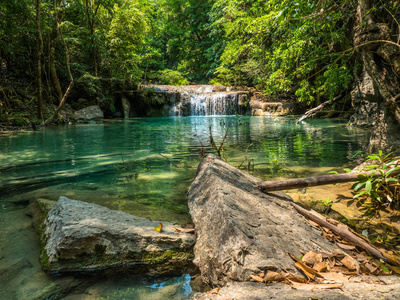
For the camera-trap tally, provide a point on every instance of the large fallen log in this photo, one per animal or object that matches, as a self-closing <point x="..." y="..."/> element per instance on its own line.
<point x="296" y="183"/>
<point x="242" y="231"/>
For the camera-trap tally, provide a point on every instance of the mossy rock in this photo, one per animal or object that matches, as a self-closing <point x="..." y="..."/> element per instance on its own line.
<point x="80" y="237"/>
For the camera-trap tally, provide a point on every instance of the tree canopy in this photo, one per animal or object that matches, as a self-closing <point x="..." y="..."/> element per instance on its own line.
<point x="301" y="49"/>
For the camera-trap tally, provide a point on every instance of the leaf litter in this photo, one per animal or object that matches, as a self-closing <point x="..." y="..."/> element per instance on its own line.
<point x="323" y="270"/>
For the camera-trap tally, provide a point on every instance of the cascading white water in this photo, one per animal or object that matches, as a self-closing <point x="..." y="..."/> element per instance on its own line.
<point x="211" y="104"/>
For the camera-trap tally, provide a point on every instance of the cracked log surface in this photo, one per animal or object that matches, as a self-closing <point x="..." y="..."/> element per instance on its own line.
<point x="241" y="230"/>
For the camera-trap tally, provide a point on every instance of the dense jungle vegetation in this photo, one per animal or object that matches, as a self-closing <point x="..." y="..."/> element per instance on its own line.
<point x="62" y="51"/>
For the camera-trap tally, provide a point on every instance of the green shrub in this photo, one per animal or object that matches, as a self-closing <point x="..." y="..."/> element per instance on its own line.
<point x="172" y="77"/>
<point x="383" y="190"/>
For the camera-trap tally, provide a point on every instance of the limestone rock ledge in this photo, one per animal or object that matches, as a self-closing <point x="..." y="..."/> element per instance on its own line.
<point x="240" y="230"/>
<point x="82" y="237"/>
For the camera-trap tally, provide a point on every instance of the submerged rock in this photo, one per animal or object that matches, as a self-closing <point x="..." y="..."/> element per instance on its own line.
<point x="90" y="113"/>
<point x="80" y="237"/>
<point x="242" y="231"/>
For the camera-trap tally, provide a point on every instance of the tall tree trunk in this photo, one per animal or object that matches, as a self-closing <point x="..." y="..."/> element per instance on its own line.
<point x="381" y="59"/>
<point x="52" y="51"/>
<point x="39" y="51"/>
<point x="71" y="83"/>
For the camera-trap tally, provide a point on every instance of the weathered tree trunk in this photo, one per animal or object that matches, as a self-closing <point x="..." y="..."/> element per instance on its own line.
<point x="39" y="51"/>
<point x="381" y="59"/>
<point x="71" y="83"/>
<point x="52" y="50"/>
<point x="296" y="183"/>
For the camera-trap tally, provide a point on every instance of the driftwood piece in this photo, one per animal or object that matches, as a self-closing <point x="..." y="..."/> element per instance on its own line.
<point x="343" y="231"/>
<point x="296" y="183"/>
<point x="312" y="111"/>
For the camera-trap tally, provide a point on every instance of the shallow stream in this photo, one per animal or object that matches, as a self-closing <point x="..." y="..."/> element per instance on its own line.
<point x="131" y="165"/>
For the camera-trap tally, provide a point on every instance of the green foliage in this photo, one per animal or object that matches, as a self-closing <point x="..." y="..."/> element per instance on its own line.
<point x="286" y="47"/>
<point x="291" y="49"/>
<point x="380" y="190"/>
<point x="172" y="77"/>
<point x="326" y="202"/>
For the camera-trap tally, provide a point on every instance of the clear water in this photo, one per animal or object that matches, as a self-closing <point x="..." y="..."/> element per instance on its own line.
<point x="118" y="164"/>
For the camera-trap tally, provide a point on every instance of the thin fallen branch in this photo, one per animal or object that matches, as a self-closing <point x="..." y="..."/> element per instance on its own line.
<point x="214" y="146"/>
<point x="287" y="184"/>
<point x="342" y="231"/>
<point x="223" y="140"/>
<point x="212" y="142"/>
<point x="202" y="150"/>
<point x="245" y="155"/>
<point x="311" y="112"/>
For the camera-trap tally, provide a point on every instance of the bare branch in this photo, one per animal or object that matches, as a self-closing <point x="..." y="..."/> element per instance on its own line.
<point x="245" y="155"/>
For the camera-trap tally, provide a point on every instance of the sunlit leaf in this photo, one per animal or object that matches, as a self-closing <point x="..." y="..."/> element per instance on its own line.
<point x="368" y="187"/>
<point x="159" y="228"/>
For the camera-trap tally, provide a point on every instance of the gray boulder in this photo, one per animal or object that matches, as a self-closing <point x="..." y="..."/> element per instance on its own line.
<point x="90" y="113"/>
<point x="242" y="231"/>
<point x="80" y="237"/>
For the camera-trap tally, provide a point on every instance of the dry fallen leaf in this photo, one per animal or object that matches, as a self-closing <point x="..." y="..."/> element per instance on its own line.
<point x="334" y="277"/>
<point x="346" y="246"/>
<point x="292" y="278"/>
<point x="371" y="267"/>
<point x="274" y="276"/>
<point x="342" y="270"/>
<point x="361" y="257"/>
<point x="214" y="291"/>
<point x="184" y="230"/>
<point x="331" y="262"/>
<point x="321" y="266"/>
<point x="313" y="223"/>
<point x="310" y="287"/>
<point x="311" y="258"/>
<point x="257" y="278"/>
<point x="350" y="263"/>
<point x="310" y="273"/>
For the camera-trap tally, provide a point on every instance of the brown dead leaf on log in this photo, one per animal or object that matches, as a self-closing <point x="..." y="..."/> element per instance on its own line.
<point x="311" y="258"/>
<point x="214" y="291"/>
<point x="310" y="287"/>
<point x="310" y="273"/>
<point x="346" y="246"/>
<point x="257" y="278"/>
<point x="274" y="276"/>
<point x="184" y="230"/>
<point x="321" y="266"/>
<point x="334" y="277"/>
<point x="350" y="263"/>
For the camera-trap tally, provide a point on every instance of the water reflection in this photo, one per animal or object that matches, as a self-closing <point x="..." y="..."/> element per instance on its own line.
<point x="117" y="163"/>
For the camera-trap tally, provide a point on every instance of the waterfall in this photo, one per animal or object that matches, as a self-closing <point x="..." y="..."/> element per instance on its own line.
<point x="195" y="100"/>
<point x="210" y="104"/>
